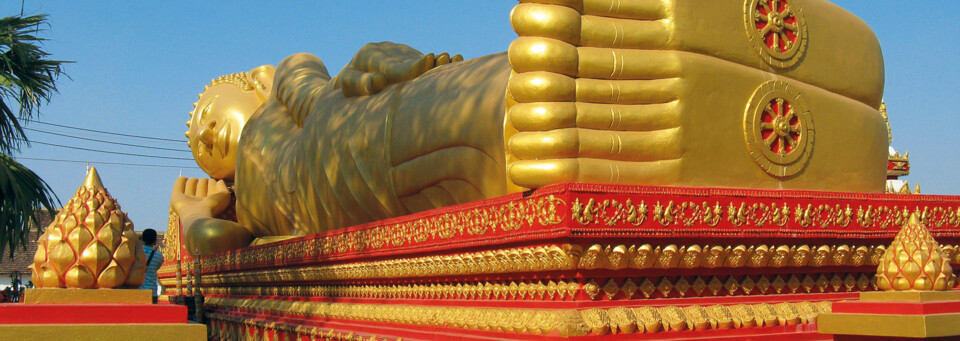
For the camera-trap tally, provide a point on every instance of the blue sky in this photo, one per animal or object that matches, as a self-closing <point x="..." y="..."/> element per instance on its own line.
<point x="140" y="65"/>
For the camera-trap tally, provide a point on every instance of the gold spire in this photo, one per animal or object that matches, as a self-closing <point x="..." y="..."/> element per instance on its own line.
<point x="93" y="179"/>
<point x="914" y="261"/>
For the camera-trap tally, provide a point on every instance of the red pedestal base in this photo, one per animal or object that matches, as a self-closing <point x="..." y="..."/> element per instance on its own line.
<point x="91" y="313"/>
<point x="886" y="316"/>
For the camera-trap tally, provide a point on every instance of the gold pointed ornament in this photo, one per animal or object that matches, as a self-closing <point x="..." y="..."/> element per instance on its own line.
<point x="90" y="244"/>
<point x="914" y="262"/>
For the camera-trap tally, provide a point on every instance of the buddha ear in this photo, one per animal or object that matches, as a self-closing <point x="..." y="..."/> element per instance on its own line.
<point x="261" y="78"/>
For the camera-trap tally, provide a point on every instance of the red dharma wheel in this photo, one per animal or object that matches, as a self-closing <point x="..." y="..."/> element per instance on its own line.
<point x="777" y="30"/>
<point x="780" y="127"/>
<point x="777" y="24"/>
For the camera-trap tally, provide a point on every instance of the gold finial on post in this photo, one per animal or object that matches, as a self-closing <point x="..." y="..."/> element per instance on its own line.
<point x="92" y="179"/>
<point x="914" y="261"/>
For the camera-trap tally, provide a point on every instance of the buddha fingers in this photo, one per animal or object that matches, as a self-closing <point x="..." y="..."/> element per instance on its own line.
<point x="378" y="65"/>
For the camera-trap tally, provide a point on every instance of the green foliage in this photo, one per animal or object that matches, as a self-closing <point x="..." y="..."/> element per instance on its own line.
<point x="27" y="80"/>
<point x="27" y="77"/>
<point x="22" y="194"/>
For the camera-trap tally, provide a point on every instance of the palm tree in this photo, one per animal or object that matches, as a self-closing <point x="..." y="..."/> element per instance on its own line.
<point x="27" y="80"/>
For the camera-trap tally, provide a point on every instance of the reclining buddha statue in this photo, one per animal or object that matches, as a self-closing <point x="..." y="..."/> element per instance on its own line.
<point x="748" y="94"/>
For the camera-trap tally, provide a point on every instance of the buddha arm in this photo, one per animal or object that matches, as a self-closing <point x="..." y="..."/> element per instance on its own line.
<point x="299" y="79"/>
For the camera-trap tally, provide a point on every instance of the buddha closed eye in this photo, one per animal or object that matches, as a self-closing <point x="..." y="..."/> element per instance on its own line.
<point x="222" y="111"/>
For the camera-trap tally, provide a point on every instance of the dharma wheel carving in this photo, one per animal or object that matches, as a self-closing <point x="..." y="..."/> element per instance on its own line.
<point x="777" y="30"/>
<point x="778" y="129"/>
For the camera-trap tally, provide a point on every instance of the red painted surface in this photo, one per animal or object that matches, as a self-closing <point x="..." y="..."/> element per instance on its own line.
<point x="18" y="313"/>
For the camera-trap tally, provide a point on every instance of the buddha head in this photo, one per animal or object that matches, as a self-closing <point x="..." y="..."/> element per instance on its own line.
<point x="219" y="115"/>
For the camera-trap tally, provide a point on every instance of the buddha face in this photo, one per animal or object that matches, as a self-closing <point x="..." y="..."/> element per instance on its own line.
<point x="215" y="126"/>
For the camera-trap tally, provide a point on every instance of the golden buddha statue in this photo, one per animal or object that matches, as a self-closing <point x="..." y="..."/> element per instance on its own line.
<point x="685" y="93"/>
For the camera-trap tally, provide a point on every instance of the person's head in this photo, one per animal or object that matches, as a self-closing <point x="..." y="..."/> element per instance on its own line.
<point x="149" y="237"/>
<point x="218" y="117"/>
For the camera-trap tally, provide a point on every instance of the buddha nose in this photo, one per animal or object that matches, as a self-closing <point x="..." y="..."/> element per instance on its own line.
<point x="207" y="137"/>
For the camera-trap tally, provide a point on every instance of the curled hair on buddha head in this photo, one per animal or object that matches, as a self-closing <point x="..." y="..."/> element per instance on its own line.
<point x="259" y="79"/>
<point x="149" y="237"/>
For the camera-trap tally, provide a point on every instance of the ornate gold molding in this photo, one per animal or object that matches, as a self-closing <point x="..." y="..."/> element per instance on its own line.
<point x="703" y="286"/>
<point x="529" y="259"/>
<point x="573" y="257"/>
<point x="564" y="322"/>
<point x="615" y="257"/>
<point x="543" y="290"/>
<point x="611" y="289"/>
<point x="224" y="327"/>
<point x="171" y="240"/>
<point x="611" y="212"/>
<point x="511" y="216"/>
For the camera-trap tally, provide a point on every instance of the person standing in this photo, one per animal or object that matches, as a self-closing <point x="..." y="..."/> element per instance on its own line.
<point x="154" y="260"/>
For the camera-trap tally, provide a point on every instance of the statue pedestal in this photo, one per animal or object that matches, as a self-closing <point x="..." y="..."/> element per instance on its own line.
<point x="570" y="261"/>
<point x="100" y="314"/>
<point x="899" y="315"/>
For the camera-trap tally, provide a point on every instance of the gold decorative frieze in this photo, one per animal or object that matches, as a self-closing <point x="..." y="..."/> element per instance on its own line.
<point x="529" y="321"/>
<point x="611" y="212"/>
<point x="687" y="213"/>
<point x="758" y="214"/>
<point x="732" y="285"/>
<point x="610" y="289"/>
<point x="563" y="322"/>
<point x="224" y="327"/>
<point x="480" y="221"/>
<point x="608" y="212"/>
<point x="615" y="257"/>
<point x="171" y="239"/>
<point x="529" y="259"/>
<point x="522" y="290"/>
<point x="574" y="257"/>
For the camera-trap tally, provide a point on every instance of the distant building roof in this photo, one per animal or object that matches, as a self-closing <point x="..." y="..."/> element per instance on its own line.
<point x="23" y="258"/>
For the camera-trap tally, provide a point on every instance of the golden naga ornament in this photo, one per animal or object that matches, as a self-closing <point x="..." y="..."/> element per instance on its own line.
<point x="90" y="244"/>
<point x="914" y="261"/>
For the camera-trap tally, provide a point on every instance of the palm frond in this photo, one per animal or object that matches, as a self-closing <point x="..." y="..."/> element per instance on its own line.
<point x="27" y="76"/>
<point x="22" y="195"/>
<point x="27" y="80"/>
